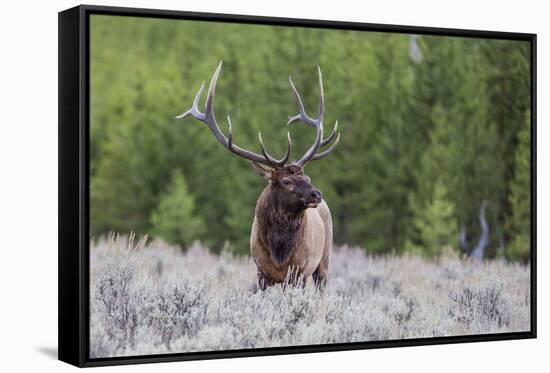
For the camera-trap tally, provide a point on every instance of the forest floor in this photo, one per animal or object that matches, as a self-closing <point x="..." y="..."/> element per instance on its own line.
<point x="149" y="299"/>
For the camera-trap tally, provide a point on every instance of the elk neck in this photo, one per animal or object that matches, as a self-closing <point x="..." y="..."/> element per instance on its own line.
<point x="280" y="224"/>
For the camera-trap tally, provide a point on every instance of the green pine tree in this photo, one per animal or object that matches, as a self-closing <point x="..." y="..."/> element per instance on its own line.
<point x="454" y="115"/>
<point x="174" y="219"/>
<point x="520" y="198"/>
<point x="435" y="224"/>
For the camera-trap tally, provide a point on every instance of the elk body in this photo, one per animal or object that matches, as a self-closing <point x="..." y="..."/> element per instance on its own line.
<point x="291" y="236"/>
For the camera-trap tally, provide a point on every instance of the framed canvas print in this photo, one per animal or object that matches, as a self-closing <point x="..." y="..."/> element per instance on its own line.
<point x="234" y="186"/>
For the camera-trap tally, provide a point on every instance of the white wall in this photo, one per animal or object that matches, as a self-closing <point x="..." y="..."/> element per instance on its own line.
<point x="28" y="182"/>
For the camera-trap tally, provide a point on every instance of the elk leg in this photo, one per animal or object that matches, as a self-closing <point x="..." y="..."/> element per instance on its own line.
<point x="319" y="278"/>
<point x="264" y="281"/>
<point x="320" y="274"/>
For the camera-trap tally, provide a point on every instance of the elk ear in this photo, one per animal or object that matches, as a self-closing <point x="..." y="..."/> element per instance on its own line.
<point x="265" y="171"/>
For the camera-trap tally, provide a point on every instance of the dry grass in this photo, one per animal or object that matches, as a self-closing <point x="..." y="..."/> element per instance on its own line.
<point x="148" y="299"/>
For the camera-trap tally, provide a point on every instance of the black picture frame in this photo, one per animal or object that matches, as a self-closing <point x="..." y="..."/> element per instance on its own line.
<point x="74" y="40"/>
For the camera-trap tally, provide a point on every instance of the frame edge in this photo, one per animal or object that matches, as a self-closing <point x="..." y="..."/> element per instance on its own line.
<point x="69" y="214"/>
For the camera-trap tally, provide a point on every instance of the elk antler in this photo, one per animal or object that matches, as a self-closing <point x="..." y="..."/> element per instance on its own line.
<point x="311" y="154"/>
<point x="209" y="118"/>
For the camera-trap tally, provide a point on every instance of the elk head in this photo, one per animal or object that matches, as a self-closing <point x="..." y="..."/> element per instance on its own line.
<point x="287" y="179"/>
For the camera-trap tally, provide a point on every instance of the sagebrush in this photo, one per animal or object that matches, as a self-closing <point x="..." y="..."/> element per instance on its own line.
<point x="149" y="299"/>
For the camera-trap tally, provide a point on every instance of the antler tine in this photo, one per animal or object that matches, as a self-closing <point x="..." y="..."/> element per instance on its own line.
<point x="194" y="110"/>
<point x="326" y="152"/>
<point x="209" y="104"/>
<point x="331" y="136"/>
<point x="311" y="154"/>
<point x="276" y="162"/>
<point x="306" y="119"/>
<point x="302" y="115"/>
<point x="229" y="133"/>
<point x="317" y="123"/>
<point x="209" y="118"/>
<point x="321" y="96"/>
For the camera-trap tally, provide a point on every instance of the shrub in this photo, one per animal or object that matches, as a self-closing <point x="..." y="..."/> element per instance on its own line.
<point x="200" y="301"/>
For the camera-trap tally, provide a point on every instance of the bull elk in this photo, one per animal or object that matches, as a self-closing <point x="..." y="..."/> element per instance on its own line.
<point x="292" y="229"/>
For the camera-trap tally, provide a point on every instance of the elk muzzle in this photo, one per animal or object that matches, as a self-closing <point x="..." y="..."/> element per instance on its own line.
<point x="313" y="198"/>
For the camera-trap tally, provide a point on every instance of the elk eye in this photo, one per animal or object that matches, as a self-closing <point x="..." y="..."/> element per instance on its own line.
<point x="286" y="181"/>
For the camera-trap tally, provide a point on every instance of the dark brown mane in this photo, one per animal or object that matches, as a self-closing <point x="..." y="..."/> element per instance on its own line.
<point x="280" y="225"/>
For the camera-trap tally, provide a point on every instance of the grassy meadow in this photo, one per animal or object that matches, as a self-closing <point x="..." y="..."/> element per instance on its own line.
<point x="153" y="298"/>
